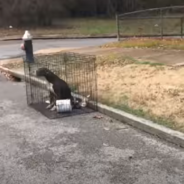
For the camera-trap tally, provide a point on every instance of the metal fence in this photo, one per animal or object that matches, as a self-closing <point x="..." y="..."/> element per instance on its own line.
<point x="157" y="22"/>
<point x="79" y="71"/>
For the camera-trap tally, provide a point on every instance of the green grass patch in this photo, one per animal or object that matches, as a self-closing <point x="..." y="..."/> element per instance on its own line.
<point x="139" y="112"/>
<point x="149" y="63"/>
<point x="140" y="62"/>
<point x="70" y="27"/>
<point x="118" y="59"/>
<point x="94" y="26"/>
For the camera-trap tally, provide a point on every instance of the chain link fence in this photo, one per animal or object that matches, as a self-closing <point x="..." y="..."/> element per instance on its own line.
<point x="157" y="22"/>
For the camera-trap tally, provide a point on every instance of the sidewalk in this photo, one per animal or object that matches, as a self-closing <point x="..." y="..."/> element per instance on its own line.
<point x="80" y="149"/>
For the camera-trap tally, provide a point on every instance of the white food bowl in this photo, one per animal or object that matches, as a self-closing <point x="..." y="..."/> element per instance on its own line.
<point x="63" y="105"/>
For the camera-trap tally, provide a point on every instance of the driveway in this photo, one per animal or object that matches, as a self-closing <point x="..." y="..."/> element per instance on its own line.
<point x="11" y="49"/>
<point x="79" y="149"/>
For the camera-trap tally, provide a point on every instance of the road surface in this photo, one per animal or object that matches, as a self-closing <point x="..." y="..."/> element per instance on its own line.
<point x="10" y="49"/>
<point x="79" y="149"/>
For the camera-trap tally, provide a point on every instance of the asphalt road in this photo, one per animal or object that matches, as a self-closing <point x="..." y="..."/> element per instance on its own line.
<point x="78" y="150"/>
<point x="10" y="49"/>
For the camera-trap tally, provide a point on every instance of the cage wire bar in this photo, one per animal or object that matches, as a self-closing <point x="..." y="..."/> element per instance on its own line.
<point x="78" y="70"/>
<point x="156" y="22"/>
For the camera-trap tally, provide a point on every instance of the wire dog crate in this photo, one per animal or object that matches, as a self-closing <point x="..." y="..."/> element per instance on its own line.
<point x="77" y="70"/>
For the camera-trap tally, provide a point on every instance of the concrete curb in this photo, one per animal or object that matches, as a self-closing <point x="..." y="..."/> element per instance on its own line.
<point x="59" y="37"/>
<point x="150" y="127"/>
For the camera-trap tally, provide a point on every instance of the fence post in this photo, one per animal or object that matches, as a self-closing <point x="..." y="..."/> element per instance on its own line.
<point x="27" y="46"/>
<point x="117" y="26"/>
<point x="181" y="23"/>
<point x="162" y="23"/>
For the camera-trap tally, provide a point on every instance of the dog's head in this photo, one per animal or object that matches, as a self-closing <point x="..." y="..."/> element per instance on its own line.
<point x="43" y="72"/>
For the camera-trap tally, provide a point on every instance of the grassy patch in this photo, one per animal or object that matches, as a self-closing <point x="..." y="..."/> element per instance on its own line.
<point x="70" y="27"/>
<point x="139" y="112"/>
<point x="94" y="26"/>
<point x="147" y="115"/>
<point x="149" y="63"/>
<point x="148" y="43"/>
<point x="149" y="90"/>
<point x="141" y="62"/>
<point x="122" y="60"/>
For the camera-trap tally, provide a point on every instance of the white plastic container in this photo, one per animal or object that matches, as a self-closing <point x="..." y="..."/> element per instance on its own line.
<point x="63" y="105"/>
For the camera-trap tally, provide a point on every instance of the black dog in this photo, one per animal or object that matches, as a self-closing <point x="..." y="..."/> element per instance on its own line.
<point x="60" y="89"/>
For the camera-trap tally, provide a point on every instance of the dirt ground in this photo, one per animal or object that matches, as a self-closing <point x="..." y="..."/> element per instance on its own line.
<point x="156" y="89"/>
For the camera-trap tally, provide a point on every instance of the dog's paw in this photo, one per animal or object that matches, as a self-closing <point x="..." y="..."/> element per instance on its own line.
<point x="53" y="108"/>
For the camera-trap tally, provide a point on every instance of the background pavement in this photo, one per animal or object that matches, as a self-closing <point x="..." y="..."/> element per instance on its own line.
<point x="11" y="49"/>
<point x="78" y="150"/>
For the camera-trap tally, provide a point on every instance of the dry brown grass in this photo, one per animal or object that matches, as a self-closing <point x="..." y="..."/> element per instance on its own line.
<point x="157" y="90"/>
<point x="149" y="90"/>
<point x="158" y="43"/>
